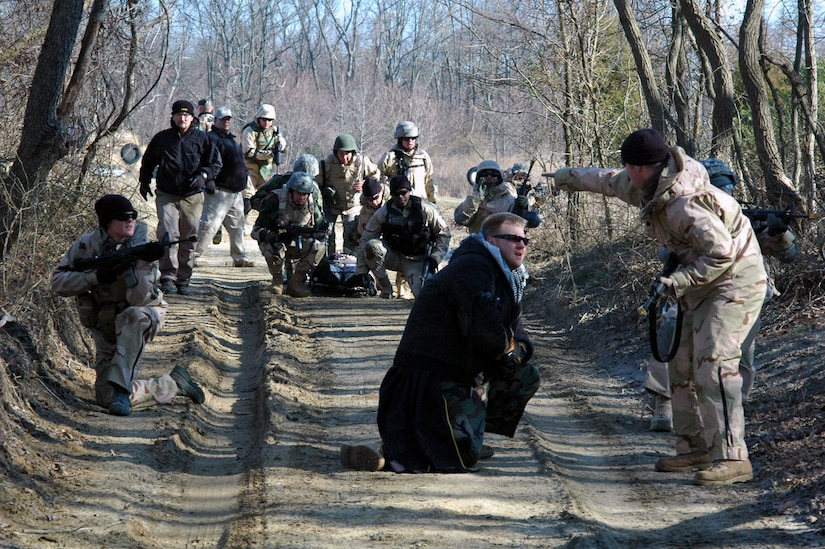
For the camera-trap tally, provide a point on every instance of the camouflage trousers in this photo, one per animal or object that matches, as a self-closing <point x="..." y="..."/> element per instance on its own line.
<point x="705" y="382"/>
<point x="494" y="406"/>
<point x="657" y="379"/>
<point x="119" y="362"/>
<point x="284" y="260"/>
<point x="378" y="258"/>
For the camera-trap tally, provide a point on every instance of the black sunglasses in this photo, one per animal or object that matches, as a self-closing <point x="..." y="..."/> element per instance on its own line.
<point x="513" y="238"/>
<point x="125" y="216"/>
<point x="402" y="192"/>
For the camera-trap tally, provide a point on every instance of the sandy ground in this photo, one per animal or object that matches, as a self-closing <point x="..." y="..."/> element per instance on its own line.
<point x="289" y="381"/>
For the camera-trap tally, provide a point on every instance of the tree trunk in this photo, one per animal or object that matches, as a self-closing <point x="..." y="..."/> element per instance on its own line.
<point x="778" y="185"/>
<point x="44" y="139"/>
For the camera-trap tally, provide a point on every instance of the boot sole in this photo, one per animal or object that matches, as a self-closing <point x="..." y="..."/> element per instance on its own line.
<point x="684" y="468"/>
<point x="361" y="458"/>
<point x="746" y="477"/>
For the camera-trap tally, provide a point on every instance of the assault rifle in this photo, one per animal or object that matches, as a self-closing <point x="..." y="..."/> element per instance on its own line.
<point x="671" y="264"/>
<point x="425" y="270"/>
<point x="122" y="257"/>
<point x="762" y="214"/>
<point x="298" y="232"/>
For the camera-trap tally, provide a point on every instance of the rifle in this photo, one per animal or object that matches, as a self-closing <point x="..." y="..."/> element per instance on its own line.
<point x="298" y="232"/>
<point x="425" y="270"/>
<point x="761" y="214"/>
<point x="650" y="310"/>
<point x="121" y="257"/>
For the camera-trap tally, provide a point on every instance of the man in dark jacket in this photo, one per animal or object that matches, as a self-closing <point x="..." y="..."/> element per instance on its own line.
<point x="223" y="203"/>
<point x="461" y="368"/>
<point x="185" y="159"/>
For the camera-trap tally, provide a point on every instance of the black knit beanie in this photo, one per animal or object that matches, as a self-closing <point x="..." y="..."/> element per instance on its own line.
<point x="644" y="147"/>
<point x="110" y="205"/>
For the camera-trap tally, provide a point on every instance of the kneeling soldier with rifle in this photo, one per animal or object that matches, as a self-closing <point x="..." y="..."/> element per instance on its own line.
<point x="113" y="274"/>
<point x="291" y="232"/>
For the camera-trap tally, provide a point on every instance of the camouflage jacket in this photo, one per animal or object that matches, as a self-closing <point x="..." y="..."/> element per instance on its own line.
<point x="706" y="229"/>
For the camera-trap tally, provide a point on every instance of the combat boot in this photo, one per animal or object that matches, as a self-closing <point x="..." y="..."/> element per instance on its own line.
<point x="277" y="286"/>
<point x="296" y="287"/>
<point x="724" y="472"/>
<point x="662" y="421"/>
<point x="684" y="462"/>
<point x="361" y="458"/>
<point x="386" y="287"/>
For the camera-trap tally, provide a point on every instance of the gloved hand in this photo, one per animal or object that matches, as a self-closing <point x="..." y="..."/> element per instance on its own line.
<point x="481" y="190"/>
<point x="265" y="154"/>
<point x="210" y="187"/>
<point x="775" y="225"/>
<point x="274" y="237"/>
<point x="433" y="263"/>
<point x="198" y="182"/>
<point x="151" y="252"/>
<point x="106" y="274"/>
<point x="666" y="280"/>
<point x="146" y="190"/>
<point x="522" y="203"/>
<point x="329" y="192"/>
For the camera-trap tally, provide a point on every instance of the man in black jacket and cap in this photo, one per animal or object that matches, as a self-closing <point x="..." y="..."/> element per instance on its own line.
<point x="181" y="159"/>
<point x="462" y="367"/>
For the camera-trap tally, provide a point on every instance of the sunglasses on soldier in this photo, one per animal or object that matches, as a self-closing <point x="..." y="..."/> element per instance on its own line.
<point x="125" y="216"/>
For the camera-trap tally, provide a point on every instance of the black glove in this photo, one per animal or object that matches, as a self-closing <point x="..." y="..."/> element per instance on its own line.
<point x="432" y="263"/>
<point x="210" y="187"/>
<point x="522" y="203"/>
<point x="198" y="182"/>
<point x="150" y="252"/>
<point x="146" y="190"/>
<point x="106" y="274"/>
<point x="273" y="237"/>
<point x="775" y="225"/>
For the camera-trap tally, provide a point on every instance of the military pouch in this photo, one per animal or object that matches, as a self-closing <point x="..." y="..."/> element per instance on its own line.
<point x="87" y="310"/>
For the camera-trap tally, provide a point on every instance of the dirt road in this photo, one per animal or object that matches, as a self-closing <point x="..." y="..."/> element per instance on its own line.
<point x="288" y="381"/>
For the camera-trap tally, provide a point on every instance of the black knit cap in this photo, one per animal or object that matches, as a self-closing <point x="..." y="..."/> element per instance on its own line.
<point x="182" y="105"/>
<point x="644" y="147"/>
<point x="371" y="186"/>
<point x="110" y="205"/>
<point x="400" y="182"/>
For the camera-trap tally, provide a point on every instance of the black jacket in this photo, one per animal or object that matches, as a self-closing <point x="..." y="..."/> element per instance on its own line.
<point x="178" y="159"/>
<point x="460" y="325"/>
<point x="234" y="172"/>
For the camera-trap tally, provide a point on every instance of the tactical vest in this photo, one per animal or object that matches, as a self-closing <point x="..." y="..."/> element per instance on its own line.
<point x="408" y="236"/>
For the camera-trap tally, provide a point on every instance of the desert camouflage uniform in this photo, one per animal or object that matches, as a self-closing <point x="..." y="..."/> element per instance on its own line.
<point x="419" y="169"/>
<point x="346" y="201"/>
<point x="278" y="210"/>
<point x="374" y="254"/>
<point x="122" y="317"/>
<point x="255" y="141"/>
<point x="720" y="283"/>
<point x="475" y="209"/>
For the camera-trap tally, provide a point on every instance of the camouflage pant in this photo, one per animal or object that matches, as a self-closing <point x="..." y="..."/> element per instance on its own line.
<point x="286" y="260"/>
<point x="705" y="383"/>
<point x="494" y="406"/>
<point x="378" y="258"/>
<point x="118" y="362"/>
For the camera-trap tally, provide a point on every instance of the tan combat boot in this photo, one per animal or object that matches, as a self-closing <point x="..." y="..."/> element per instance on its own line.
<point x="724" y="472"/>
<point x="662" y="421"/>
<point x="684" y="462"/>
<point x="277" y="286"/>
<point x="296" y="287"/>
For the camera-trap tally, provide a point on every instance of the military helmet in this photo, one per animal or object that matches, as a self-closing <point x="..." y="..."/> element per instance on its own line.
<point x="266" y="111"/>
<point x="489" y="166"/>
<point x="405" y="128"/>
<point x="345" y="142"/>
<point x="721" y="176"/>
<point x="520" y="167"/>
<point x="301" y="182"/>
<point x="306" y="163"/>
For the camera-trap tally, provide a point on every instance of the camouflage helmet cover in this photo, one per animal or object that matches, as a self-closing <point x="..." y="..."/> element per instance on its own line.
<point x="719" y="173"/>
<point x="266" y="111"/>
<point x="520" y="167"/>
<point x="345" y="142"/>
<point x="489" y="165"/>
<point x="405" y="128"/>
<point x="301" y="182"/>
<point x="306" y="163"/>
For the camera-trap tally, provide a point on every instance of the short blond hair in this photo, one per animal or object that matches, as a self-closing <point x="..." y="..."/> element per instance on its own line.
<point x="493" y="223"/>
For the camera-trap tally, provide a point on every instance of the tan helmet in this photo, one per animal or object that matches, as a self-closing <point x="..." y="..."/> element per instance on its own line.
<point x="266" y="111"/>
